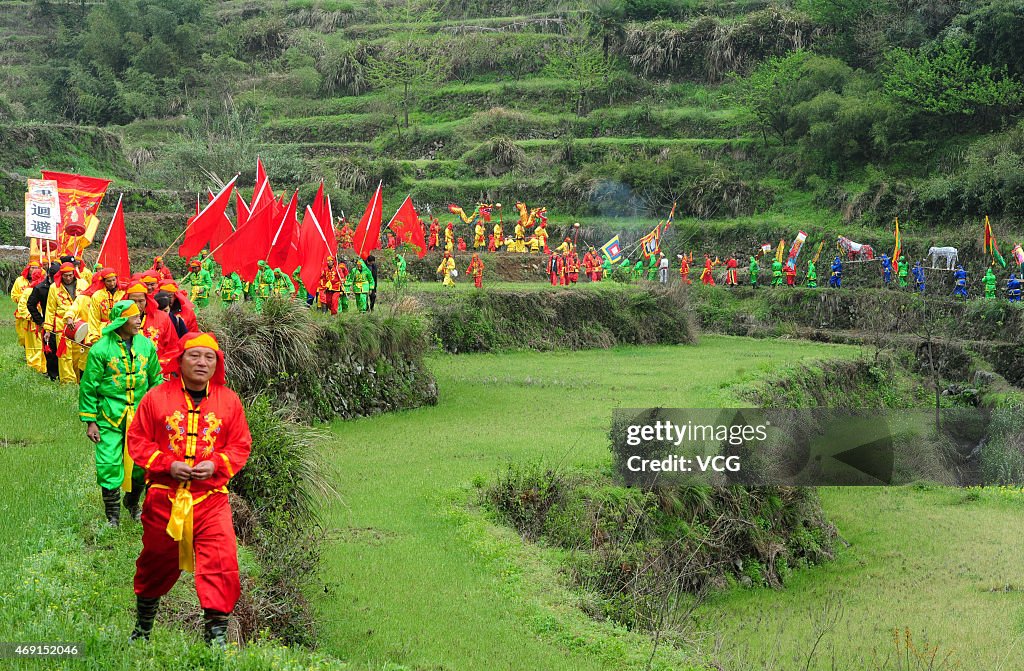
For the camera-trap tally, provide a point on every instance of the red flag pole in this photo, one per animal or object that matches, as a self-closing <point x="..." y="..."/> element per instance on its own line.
<point x="182" y="234"/>
<point x="373" y="209"/>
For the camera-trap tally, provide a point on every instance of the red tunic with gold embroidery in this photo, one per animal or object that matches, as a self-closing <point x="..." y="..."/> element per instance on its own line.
<point x="169" y="427"/>
<point x="157" y="326"/>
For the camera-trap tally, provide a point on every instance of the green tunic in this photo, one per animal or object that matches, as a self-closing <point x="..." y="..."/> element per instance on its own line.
<point x="283" y="285"/>
<point x="361" y="282"/>
<point x="990" y="284"/>
<point x="401" y="275"/>
<point x="231" y="288"/>
<point x="754" y="269"/>
<point x="903" y="269"/>
<point x="264" y="284"/>
<point x="202" y="285"/>
<point x="776" y="273"/>
<point x="112" y="385"/>
<point x="652" y="268"/>
<point x="812" y="275"/>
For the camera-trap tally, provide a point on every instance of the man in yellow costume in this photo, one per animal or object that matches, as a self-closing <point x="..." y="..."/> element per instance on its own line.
<point x="542" y="236"/>
<point x="499" y="236"/>
<point x="449" y="238"/>
<point x="21" y="287"/>
<point x="478" y="237"/>
<point x="63" y="306"/>
<point x="104" y="293"/>
<point x="446" y="268"/>
<point x="520" y="237"/>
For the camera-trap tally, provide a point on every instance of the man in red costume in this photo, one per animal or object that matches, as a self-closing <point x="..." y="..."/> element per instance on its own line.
<point x="790" y="272"/>
<point x="731" y="278"/>
<point x="331" y="287"/>
<point x="345" y="236"/>
<point x="707" y="277"/>
<point x="476" y="271"/>
<point x="157" y="326"/>
<point x="684" y="268"/>
<point x="556" y="269"/>
<point x="161" y="271"/>
<point x="435" y="230"/>
<point x="191" y="437"/>
<point x="572" y="267"/>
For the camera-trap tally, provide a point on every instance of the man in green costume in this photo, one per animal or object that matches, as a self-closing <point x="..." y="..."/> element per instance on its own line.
<point x="360" y="281"/>
<point x="990" y="282"/>
<point x="606" y="268"/>
<point x="231" y="289"/>
<point x="121" y="367"/>
<point x="264" y="284"/>
<point x="903" y="269"/>
<point x="283" y="285"/>
<point x="754" y="270"/>
<point x="206" y="261"/>
<point x="652" y="268"/>
<point x="201" y="282"/>
<point x="812" y="275"/>
<point x="638" y="269"/>
<point x="401" y="274"/>
<point x="776" y="273"/>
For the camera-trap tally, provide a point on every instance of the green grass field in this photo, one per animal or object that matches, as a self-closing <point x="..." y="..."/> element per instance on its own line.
<point x="416" y="577"/>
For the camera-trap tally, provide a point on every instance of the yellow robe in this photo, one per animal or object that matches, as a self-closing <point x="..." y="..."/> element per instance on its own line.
<point x="21" y="321"/>
<point x="446" y="268"/>
<point x="62" y="309"/>
<point x="98" y="314"/>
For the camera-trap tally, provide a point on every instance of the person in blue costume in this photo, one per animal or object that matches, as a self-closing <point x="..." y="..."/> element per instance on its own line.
<point x="836" y="279"/>
<point x="960" y="280"/>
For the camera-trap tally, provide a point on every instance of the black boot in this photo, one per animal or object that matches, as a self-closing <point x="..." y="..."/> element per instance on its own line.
<point x="131" y="499"/>
<point x="215" y="627"/>
<point x="112" y="505"/>
<point x="146" y="614"/>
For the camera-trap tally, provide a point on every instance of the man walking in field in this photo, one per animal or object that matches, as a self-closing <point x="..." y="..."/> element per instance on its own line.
<point x="121" y="366"/>
<point x="191" y="436"/>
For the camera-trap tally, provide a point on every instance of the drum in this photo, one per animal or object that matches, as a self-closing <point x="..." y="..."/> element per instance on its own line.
<point x="76" y="330"/>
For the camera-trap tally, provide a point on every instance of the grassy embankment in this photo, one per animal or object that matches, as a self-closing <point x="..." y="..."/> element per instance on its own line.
<point x="412" y="573"/>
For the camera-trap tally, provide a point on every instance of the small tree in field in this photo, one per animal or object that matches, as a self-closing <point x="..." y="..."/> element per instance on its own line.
<point x="403" y="72"/>
<point x="583" y="65"/>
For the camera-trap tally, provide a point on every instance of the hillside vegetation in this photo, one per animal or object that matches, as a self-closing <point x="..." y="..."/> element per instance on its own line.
<point x="796" y="112"/>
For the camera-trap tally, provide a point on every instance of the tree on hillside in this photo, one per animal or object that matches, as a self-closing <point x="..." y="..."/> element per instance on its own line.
<point x="770" y="92"/>
<point x="403" y="71"/>
<point x="943" y="79"/>
<point x="584" y="66"/>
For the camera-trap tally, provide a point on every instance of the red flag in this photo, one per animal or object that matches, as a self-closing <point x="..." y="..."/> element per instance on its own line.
<point x="367" y="235"/>
<point x="241" y="210"/>
<point x="313" y="251"/>
<point x="322" y="211"/>
<point x="328" y="228"/>
<point x="80" y="199"/>
<point x="247" y="246"/>
<point x="223" y="230"/>
<point x="280" y="245"/>
<point x="264" y="196"/>
<point x="261" y="173"/>
<point x="114" y="250"/>
<point x="202" y="227"/>
<point x="407" y="228"/>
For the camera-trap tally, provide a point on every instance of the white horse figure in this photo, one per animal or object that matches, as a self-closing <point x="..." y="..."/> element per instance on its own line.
<point x="950" y="254"/>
